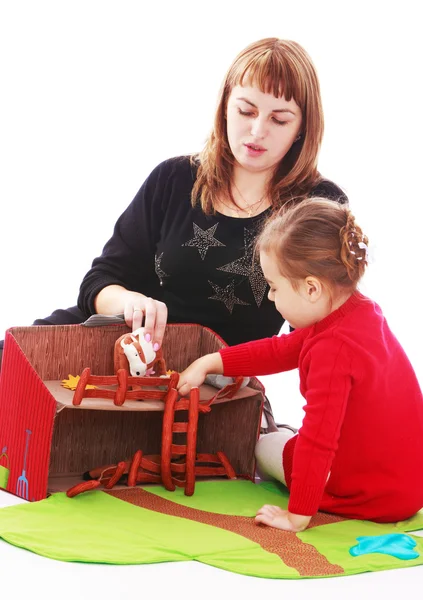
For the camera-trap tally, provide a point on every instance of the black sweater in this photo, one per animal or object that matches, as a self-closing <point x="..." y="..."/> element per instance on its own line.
<point x="200" y="265"/>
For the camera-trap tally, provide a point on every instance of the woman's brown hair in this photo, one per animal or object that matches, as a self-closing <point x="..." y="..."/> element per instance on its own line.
<point x="316" y="237"/>
<point x="282" y="68"/>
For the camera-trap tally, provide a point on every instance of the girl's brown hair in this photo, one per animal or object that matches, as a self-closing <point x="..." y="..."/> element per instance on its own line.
<point x="316" y="237"/>
<point x="282" y="68"/>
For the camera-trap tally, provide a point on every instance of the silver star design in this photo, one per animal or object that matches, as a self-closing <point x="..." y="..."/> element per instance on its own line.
<point x="249" y="267"/>
<point x="203" y="239"/>
<point x="226" y="295"/>
<point x="159" y="271"/>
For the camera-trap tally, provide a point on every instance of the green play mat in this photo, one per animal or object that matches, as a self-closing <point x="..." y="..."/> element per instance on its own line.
<point x="215" y="526"/>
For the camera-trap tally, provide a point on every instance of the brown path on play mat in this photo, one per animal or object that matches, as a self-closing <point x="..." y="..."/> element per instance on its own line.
<point x="295" y="553"/>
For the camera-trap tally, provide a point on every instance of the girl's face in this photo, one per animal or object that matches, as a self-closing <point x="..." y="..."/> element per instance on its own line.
<point x="301" y="307"/>
<point x="261" y="128"/>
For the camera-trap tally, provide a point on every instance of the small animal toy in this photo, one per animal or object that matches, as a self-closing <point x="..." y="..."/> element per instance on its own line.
<point x="133" y="353"/>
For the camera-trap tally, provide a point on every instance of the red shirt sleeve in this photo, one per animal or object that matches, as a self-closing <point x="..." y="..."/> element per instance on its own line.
<point x="326" y="383"/>
<point x="264" y="357"/>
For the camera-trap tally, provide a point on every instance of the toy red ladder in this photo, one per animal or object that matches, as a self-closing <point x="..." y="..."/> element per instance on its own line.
<point x="174" y="470"/>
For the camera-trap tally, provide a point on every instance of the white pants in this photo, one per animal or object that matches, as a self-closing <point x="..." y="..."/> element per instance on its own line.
<point x="269" y="450"/>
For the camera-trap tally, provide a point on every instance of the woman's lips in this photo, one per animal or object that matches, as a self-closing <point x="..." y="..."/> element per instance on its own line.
<point x="254" y="149"/>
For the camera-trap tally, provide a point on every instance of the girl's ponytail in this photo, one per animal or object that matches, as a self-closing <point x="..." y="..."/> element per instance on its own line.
<point x="354" y="251"/>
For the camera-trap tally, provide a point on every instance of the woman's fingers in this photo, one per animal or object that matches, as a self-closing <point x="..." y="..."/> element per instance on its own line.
<point x="128" y="313"/>
<point x="133" y="310"/>
<point x="140" y="310"/>
<point x="161" y="321"/>
<point x="155" y="321"/>
<point x="134" y="314"/>
<point x="137" y="317"/>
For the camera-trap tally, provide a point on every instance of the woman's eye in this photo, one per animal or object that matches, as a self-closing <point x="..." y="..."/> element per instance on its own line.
<point x="248" y="113"/>
<point x="279" y="122"/>
<point x="245" y="113"/>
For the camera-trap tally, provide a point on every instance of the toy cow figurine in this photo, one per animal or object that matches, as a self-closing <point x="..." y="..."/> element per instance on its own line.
<point x="137" y="356"/>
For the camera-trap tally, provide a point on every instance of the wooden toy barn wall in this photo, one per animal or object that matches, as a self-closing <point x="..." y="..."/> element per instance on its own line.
<point x="46" y="441"/>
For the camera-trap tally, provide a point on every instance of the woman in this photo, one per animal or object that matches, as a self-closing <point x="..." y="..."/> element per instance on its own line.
<point x="183" y="249"/>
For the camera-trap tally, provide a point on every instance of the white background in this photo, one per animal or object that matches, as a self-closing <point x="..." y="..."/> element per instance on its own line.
<point x="93" y="94"/>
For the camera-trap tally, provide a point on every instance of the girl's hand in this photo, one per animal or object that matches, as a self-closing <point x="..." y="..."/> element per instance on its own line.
<point x="137" y="308"/>
<point x="277" y="517"/>
<point x="196" y="373"/>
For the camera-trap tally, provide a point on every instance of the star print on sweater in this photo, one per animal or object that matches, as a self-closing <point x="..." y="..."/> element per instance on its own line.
<point x="203" y="239"/>
<point x="226" y="295"/>
<point x="249" y="266"/>
<point x="160" y="273"/>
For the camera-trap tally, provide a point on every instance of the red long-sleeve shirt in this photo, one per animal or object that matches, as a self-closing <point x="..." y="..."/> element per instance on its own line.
<point x="359" y="451"/>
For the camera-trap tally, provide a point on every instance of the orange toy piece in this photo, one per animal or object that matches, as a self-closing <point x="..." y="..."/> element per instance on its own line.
<point x="128" y="388"/>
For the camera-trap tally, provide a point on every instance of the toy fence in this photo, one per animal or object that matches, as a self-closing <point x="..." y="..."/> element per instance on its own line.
<point x="50" y="442"/>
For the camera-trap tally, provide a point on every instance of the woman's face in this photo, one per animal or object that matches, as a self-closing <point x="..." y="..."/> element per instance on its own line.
<point x="261" y="128"/>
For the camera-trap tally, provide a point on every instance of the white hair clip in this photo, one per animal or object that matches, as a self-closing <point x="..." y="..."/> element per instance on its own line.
<point x="364" y="247"/>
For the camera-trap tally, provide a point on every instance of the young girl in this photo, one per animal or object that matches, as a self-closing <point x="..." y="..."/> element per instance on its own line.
<point x="359" y="452"/>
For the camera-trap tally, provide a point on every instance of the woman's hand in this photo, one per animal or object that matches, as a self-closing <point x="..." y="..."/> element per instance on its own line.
<point x="139" y="308"/>
<point x="115" y="299"/>
<point x="196" y="373"/>
<point x="277" y="517"/>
